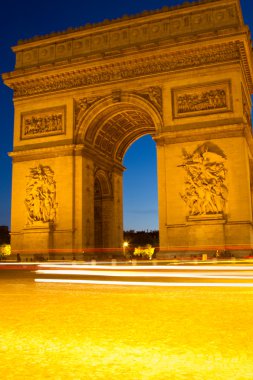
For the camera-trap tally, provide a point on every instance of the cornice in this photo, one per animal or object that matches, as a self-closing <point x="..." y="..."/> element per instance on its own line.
<point x="210" y="133"/>
<point x="73" y="150"/>
<point x="186" y="6"/>
<point x="40" y="153"/>
<point x="168" y="22"/>
<point x="133" y="68"/>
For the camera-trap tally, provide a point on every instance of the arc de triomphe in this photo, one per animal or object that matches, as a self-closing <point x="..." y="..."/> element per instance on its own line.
<point x="82" y="97"/>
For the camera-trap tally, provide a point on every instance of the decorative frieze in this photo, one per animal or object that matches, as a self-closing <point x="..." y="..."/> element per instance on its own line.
<point x="160" y="64"/>
<point x="205" y="191"/>
<point x="44" y="123"/>
<point x="147" y="30"/>
<point x="198" y="100"/>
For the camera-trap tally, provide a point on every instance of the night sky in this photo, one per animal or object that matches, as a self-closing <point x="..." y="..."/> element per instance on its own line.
<point x="25" y="19"/>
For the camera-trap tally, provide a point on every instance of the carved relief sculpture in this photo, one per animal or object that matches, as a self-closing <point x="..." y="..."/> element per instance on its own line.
<point x="81" y="106"/>
<point x="198" y="100"/>
<point x="205" y="191"/>
<point x="154" y="95"/>
<point x="45" y="123"/>
<point x="40" y="197"/>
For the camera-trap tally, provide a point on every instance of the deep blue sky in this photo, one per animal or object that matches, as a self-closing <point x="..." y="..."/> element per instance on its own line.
<point x="25" y="19"/>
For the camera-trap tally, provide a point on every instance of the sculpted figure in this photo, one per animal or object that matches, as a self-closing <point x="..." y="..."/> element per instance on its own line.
<point x="205" y="191"/>
<point x="40" y="197"/>
<point x="202" y="101"/>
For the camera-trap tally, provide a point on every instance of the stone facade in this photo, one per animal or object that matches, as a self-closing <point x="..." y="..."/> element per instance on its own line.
<point x="82" y="97"/>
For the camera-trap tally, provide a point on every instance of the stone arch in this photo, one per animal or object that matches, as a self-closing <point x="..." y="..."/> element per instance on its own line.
<point x="112" y="124"/>
<point x="106" y="128"/>
<point x="104" y="182"/>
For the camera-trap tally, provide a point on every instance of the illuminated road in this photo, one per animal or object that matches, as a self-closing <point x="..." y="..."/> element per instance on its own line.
<point x="208" y="275"/>
<point x="90" y="331"/>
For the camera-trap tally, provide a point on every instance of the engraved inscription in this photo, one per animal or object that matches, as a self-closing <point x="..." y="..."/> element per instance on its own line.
<point x="46" y="123"/>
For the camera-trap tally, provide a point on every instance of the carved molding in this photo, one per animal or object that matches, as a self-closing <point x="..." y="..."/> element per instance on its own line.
<point x="48" y="152"/>
<point x="135" y="68"/>
<point x="143" y="31"/>
<point x="44" y="123"/>
<point x="205" y="191"/>
<point x="104" y="179"/>
<point x="246" y="108"/>
<point x="116" y="96"/>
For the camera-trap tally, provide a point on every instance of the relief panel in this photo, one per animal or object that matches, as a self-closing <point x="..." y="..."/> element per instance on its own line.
<point x="225" y="16"/>
<point x="47" y="53"/>
<point x="204" y="99"/>
<point x="63" y="50"/>
<point x="40" y="200"/>
<point x="30" y="57"/>
<point x="205" y="190"/>
<point x="49" y="122"/>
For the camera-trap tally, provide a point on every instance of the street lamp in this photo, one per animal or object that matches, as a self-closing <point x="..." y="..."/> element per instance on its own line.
<point x="125" y="245"/>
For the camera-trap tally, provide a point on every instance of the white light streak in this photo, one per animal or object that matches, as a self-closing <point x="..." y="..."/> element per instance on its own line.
<point x="138" y="283"/>
<point x="114" y="273"/>
<point x="153" y="267"/>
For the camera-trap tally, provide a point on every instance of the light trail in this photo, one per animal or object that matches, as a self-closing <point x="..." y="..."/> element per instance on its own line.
<point x="211" y="273"/>
<point x="139" y="283"/>
<point x="153" y="267"/>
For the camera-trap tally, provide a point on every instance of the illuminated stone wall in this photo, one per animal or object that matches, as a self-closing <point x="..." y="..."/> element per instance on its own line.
<point x="82" y="97"/>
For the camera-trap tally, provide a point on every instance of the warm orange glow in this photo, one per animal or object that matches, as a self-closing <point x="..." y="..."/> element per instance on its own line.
<point x="102" y="328"/>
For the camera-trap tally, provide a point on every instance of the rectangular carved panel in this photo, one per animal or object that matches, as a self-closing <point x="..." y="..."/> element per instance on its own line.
<point x="44" y="123"/>
<point x="202" y="99"/>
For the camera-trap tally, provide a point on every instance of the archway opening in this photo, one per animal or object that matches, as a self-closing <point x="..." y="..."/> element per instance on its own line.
<point x="140" y="203"/>
<point x="111" y="128"/>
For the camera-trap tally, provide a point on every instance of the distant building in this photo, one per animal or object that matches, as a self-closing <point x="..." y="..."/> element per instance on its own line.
<point x="142" y="238"/>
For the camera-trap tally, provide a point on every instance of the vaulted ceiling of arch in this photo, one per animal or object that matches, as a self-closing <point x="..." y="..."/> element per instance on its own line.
<point x="118" y="131"/>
